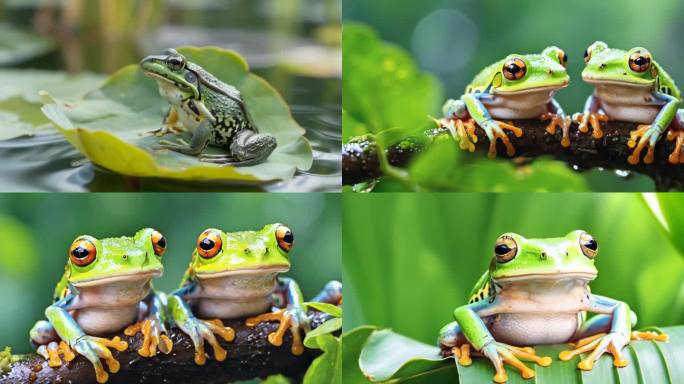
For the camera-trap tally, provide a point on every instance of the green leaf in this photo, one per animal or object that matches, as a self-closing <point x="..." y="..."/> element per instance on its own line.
<point x="352" y="343"/>
<point x="390" y="357"/>
<point x="330" y="326"/>
<point x="326" y="368"/>
<point x="401" y="95"/>
<point x="325" y="307"/>
<point x="669" y="211"/>
<point x="106" y="125"/>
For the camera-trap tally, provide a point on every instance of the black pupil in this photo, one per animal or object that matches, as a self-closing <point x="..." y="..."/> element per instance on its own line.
<point x="565" y="58"/>
<point x="80" y="252"/>
<point x="586" y="53"/>
<point x="289" y="237"/>
<point x="591" y="244"/>
<point x="513" y="68"/>
<point x="207" y="244"/>
<point x="502" y="249"/>
<point x="162" y="242"/>
<point x="175" y="62"/>
<point x="640" y="61"/>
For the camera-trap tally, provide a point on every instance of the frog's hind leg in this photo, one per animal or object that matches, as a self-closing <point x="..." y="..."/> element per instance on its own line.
<point x="200" y="139"/>
<point x="247" y="148"/>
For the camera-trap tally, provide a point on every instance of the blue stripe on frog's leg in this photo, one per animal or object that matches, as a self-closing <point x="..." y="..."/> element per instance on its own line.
<point x="493" y="129"/>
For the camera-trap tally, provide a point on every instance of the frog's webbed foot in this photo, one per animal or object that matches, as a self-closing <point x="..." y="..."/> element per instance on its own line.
<point x="648" y="136"/>
<point x="154" y="335"/>
<point x="463" y="131"/>
<point x="558" y="121"/>
<point x="201" y="330"/>
<point x="53" y="350"/>
<point x="288" y="319"/>
<point x="96" y="348"/>
<point x="598" y="345"/>
<point x="500" y="354"/>
<point x="495" y="130"/>
<point x="462" y="354"/>
<point x="649" y="335"/>
<point x="587" y="119"/>
<point x="677" y="156"/>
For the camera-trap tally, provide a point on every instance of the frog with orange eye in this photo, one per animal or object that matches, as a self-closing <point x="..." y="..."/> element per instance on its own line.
<point x="235" y="275"/>
<point x="517" y="87"/>
<point x="106" y="287"/>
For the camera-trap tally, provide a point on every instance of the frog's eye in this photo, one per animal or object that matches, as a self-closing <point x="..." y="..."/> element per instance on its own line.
<point x="514" y="69"/>
<point x="285" y="238"/>
<point x="505" y="249"/>
<point x="588" y="245"/>
<point x="176" y="63"/>
<point x="562" y="57"/>
<point x="209" y="244"/>
<point x="640" y="60"/>
<point x="587" y="55"/>
<point x="82" y="252"/>
<point x="158" y="243"/>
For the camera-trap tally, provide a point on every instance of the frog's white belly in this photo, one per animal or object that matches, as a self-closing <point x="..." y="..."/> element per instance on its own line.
<point x="525" y="329"/>
<point x="524" y="105"/>
<point x="234" y="296"/>
<point x="102" y="321"/>
<point x="628" y="103"/>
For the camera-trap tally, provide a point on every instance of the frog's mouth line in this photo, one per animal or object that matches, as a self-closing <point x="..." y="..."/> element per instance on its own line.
<point x="149" y="274"/>
<point x="245" y="271"/>
<point x="593" y="80"/>
<point x="547" y="88"/>
<point x="588" y="276"/>
<point x="158" y="76"/>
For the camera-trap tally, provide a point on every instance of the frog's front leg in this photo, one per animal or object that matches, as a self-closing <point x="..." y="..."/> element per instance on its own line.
<point x="170" y="124"/>
<point x="590" y="117"/>
<point x="459" y="124"/>
<point x="247" y="148"/>
<point x="92" y="348"/>
<point x="199" y="141"/>
<point x="494" y="129"/>
<point x="331" y="293"/>
<point x="291" y="315"/>
<point x="477" y="334"/>
<point x="198" y="330"/>
<point x="152" y="326"/>
<point x="558" y="119"/>
<point x="648" y="134"/>
<point x="609" y="332"/>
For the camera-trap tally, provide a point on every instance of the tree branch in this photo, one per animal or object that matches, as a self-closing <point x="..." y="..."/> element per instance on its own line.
<point x="359" y="159"/>
<point x="250" y="355"/>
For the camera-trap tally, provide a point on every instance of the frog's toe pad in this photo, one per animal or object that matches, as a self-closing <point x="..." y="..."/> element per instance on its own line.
<point x="637" y="335"/>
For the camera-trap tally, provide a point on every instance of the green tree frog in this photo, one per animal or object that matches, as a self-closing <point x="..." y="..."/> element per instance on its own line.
<point x="106" y="287"/>
<point x="536" y="291"/>
<point x="234" y="275"/>
<point x="631" y="86"/>
<point x="211" y="110"/>
<point x="517" y="87"/>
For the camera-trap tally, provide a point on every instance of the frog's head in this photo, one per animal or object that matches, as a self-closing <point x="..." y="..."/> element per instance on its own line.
<point x="170" y="69"/>
<point x="98" y="262"/>
<point x="524" y="73"/>
<point x="605" y="65"/>
<point x="519" y="259"/>
<point x="221" y="254"/>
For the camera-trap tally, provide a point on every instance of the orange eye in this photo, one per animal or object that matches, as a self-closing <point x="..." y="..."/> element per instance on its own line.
<point x="158" y="243"/>
<point x="640" y="60"/>
<point x="209" y="244"/>
<point x="82" y="252"/>
<point x="562" y="57"/>
<point x="587" y="55"/>
<point x="514" y="69"/>
<point x="505" y="249"/>
<point x="588" y="245"/>
<point x="285" y="238"/>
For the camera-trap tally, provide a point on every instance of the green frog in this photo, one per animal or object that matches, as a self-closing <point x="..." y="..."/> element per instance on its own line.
<point x="235" y="275"/>
<point x="211" y="110"/>
<point x="106" y="287"/>
<point x="536" y="291"/>
<point x="517" y="87"/>
<point x="632" y="86"/>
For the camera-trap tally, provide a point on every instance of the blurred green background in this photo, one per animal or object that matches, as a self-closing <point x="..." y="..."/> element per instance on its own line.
<point x="454" y="39"/>
<point x="410" y="259"/>
<point x="37" y="229"/>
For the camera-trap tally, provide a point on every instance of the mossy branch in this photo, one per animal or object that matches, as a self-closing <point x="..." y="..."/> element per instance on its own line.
<point x="250" y="355"/>
<point x="360" y="160"/>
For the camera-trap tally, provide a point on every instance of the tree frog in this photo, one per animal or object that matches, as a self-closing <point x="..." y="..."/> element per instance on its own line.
<point x="234" y="275"/>
<point x="211" y="110"/>
<point x="631" y="86"/>
<point x="106" y="287"/>
<point x="517" y="87"/>
<point x="536" y="291"/>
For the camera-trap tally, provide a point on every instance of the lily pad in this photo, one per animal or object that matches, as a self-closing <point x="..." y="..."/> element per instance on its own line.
<point x="106" y="126"/>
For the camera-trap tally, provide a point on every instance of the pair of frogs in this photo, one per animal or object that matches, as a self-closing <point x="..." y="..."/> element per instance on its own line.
<point x="629" y="86"/>
<point x="536" y="291"/>
<point x="107" y="287"/>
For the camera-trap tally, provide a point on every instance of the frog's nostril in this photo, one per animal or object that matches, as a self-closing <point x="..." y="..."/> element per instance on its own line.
<point x="602" y="66"/>
<point x="543" y="255"/>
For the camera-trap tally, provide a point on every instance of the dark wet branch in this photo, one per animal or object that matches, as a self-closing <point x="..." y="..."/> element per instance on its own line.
<point x="249" y="356"/>
<point x="360" y="163"/>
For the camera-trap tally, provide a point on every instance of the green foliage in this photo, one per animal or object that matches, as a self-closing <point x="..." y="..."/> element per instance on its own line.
<point x="327" y="367"/>
<point x="17" y="46"/>
<point x="106" y="126"/>
<point x="389" y="357"/>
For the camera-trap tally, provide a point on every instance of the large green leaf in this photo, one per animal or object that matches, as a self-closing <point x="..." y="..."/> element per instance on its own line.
<point x="326" y="368"/>
<point x="106" y="125"/>
<point x="669" y="211"/>
<point x="390" y="357"/>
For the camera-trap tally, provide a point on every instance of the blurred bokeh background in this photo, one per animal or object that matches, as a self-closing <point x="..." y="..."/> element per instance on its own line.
<point x="36" y="231"/>
<point x="294" y="44"/>
<point x="454" y="39"/>
<point x="410" y="259"/>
